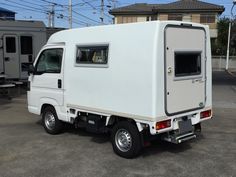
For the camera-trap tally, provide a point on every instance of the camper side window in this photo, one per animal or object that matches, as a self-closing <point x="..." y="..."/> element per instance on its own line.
<point x="92" y="55"/>
<point x="10" y="44"/>
<point x="26" y="43"/>
<point x="49" y="61"/>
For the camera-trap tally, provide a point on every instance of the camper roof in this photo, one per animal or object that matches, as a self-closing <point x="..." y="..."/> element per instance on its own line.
<point x="94" y="33"/>
<point x="21" y="23"/>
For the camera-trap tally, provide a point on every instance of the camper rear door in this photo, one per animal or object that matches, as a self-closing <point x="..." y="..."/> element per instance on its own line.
<point x="11" y="56"/>
<point x="185" y="57"/>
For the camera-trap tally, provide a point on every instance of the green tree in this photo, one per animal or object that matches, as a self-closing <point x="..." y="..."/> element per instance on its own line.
<point x="219" y="46"/>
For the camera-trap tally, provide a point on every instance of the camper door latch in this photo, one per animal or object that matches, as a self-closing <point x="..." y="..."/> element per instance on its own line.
<point x="169" y="70"/>
<point x="59" y="83"/>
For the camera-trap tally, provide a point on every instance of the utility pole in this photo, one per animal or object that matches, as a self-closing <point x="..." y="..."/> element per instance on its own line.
<point x="70" y="14"/>
<point x="51" y="16"/>
<point x="229" y="35"/>
<point x="102" y="12"/>
<point x="49" y="19"/>
<point x="114" y="4"/>
<point x="227" y="56"/>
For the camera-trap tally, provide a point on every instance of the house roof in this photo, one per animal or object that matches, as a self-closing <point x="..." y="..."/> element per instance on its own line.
<point x="180" y="6"/>
<point x="6" y="11"/>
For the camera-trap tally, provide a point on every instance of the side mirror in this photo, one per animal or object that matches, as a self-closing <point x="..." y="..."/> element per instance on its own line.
<point x="31" y="69"/>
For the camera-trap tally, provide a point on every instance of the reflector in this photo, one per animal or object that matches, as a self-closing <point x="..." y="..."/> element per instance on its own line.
<point x="205" y="114"/>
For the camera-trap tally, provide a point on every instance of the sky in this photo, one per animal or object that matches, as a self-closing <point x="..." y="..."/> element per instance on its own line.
<point x="85" y="12"/>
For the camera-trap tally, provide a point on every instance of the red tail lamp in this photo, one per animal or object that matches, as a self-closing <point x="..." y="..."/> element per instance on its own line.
<point x="163" y="124"/>
<point x="205" y="114"/>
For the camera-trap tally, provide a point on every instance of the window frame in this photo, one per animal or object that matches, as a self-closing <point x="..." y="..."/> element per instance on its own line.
<point x="193" y="76"/>
<point x="170" y="15"/>
<point x="129" y="19"/>
<point x="41" y="52"/>
<point x="204" y="18"/>
<point x="93" y="65"/>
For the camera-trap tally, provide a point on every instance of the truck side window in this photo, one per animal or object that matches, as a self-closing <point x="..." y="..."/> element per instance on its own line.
<point x="50" y="61"/>
<point x="92" y="54"/>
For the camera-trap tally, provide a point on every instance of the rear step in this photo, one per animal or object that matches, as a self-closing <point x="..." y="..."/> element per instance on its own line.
<point x="179" y="139"/>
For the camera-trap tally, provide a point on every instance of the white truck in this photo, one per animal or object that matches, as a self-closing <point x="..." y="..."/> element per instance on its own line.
<point x="134" y="80"/>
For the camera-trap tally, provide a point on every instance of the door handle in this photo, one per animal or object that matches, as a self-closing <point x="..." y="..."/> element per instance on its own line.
<point x="59" y="83"/>
<point x="169" y="70"/>
<point x="7" y="58"/>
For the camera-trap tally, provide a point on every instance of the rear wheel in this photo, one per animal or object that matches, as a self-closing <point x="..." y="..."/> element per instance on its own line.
<point x="51" y="123"/>
<point x="126" y="139"/>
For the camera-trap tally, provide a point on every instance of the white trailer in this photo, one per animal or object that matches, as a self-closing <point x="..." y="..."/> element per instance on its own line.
<point x="20" y="41"/>
<point x="151" y="78"/>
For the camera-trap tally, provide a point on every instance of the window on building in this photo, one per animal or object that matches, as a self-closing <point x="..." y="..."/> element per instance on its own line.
<point x="187" y="64"/>
<point x="177" y="17"/>
<point x="92" y="54"/>
<point x="26" y="44"/>
<point x="50" y="61"/>
<point x="129" y="19"/>
<point x="10" y="44"/>
<point x="151" y="18"/>
<point x="207" y="18"/>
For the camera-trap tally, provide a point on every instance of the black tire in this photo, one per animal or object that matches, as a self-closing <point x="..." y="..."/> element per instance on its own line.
<point x="54" y="128"/>
<point x="131" y="134"/>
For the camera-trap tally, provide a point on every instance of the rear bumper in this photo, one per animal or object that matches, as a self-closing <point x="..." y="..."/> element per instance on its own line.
<point x="193" y="117"/>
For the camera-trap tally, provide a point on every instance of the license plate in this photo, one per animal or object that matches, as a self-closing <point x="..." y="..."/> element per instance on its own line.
<point x="185" y="126"/>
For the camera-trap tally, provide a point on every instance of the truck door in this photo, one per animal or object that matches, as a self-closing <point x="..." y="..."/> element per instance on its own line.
<point x="185" y="58"/>
<point x="47" y="81"/>
<point x="11" y="56"/>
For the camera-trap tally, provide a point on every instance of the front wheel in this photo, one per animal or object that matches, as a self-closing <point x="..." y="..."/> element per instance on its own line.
<point x="126" y="140"/>
<point x="51" y="123"/>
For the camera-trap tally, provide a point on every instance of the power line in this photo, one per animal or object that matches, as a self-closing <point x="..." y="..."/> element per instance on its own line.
<point x="57" y="4"/>
<point x="76" y="20"/>
<point x="20" y="7"/>
<point x="13" y="2"/>
<point x="85" y="16"/>
<point x="32" y="3"/>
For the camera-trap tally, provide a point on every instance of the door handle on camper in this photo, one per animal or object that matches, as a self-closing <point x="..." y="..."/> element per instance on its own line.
<point x="7" y="58"/>
<point x="59" y="83"/>
<point x="169" y="70"/>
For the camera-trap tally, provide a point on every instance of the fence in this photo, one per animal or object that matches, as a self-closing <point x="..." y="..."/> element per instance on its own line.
<point x="219" y="63"/>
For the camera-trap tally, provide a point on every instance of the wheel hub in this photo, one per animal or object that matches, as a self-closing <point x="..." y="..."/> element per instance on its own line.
<point x="123" y="140"/>
<point x="50" y="120"/>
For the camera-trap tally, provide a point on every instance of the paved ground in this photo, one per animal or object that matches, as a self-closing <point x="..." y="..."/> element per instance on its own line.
<point x="27" y="151"/>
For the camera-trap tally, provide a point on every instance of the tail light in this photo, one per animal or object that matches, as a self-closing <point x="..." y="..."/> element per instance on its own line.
<point x="205" y="114"/>
<point x="163" y="124"/>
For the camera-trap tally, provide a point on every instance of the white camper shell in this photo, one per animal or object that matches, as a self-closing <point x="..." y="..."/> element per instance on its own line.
<point x="133" y="79"/>
<point x="20" y="41"/>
